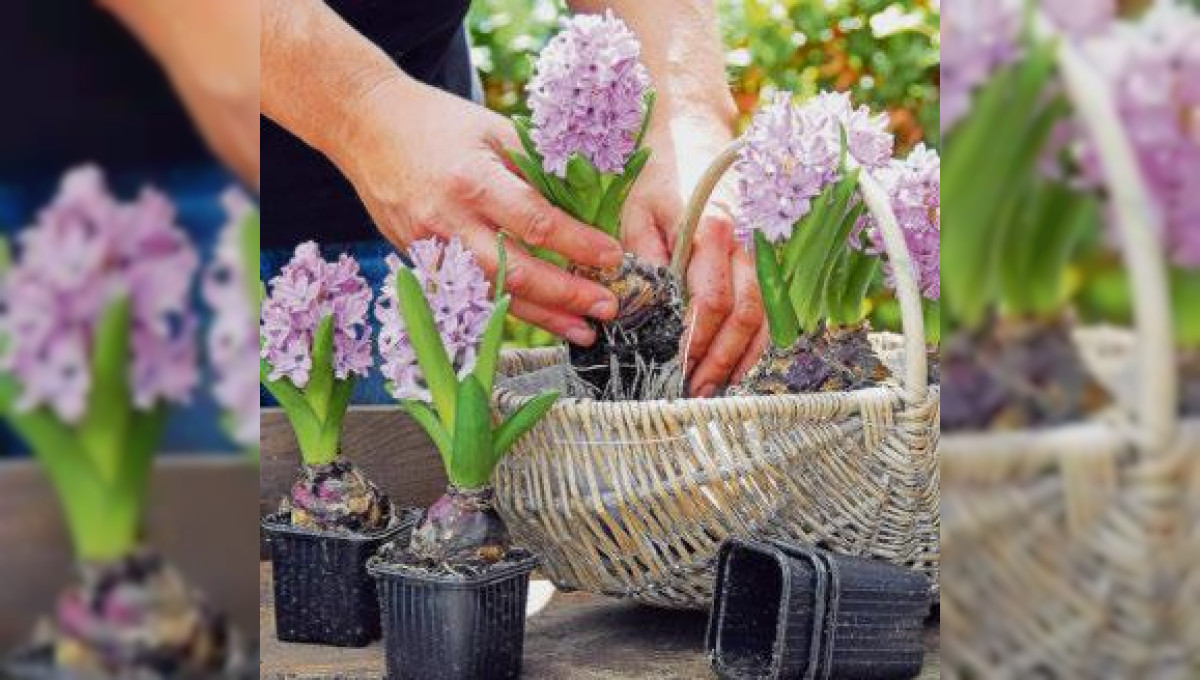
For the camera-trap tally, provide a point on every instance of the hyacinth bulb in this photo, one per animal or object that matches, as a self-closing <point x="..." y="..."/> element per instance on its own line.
<point x="137" y="617"/>
<point x="338" y="497"/>
<point x="461" y="526"/>
<point x="86" y="251"/>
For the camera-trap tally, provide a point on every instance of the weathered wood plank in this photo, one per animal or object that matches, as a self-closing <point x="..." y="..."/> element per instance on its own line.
<point x="390" y="447"/>
<point x="201" y="518"/>
<point x="577" y="636"/>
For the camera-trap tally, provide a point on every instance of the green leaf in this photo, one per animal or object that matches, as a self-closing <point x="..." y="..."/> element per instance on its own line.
<point x="489" y="346"/>
<point x="533" y="173"/>
<point x="521" y="123"/>
<point x="471" y="460"/>
<point x="826" y="234"/>
<point x="781" y="318"/>
<point x="250" y="251"/>
<point x="521" y="422"/>
<point x="305" y="424"/>
<point x="428" y="420"/>
<point x="863" y="268"/>
<point x="608" y="213"/>
<point x="649" y="99"/>
<point x="106" y="423"/>
<point x="427" y="343"/>
<point x="321" y="376"/>
<point x="6" y="257"/>
<point x="1185" y="305"/>
<point x="501" y="268"/>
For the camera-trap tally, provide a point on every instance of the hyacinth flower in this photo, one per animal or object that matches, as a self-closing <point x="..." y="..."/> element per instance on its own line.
<point x="591" y="102"/>
<point x="440" y="344"/>
<point x="97" y="343"/>
<point x="232" y="292"/>
<point x="315" y="342"/>
<point x="816" y="245"/>
<point x="1072" y="128"/>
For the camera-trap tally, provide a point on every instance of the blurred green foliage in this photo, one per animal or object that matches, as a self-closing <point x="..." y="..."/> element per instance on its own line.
<point x="885" y="52"/>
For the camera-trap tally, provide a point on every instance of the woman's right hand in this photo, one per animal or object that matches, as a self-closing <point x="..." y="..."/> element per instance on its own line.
<point x="426" y="163"/>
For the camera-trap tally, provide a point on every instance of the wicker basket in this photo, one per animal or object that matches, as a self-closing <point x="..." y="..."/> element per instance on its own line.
<point x="633" y="499"/>
<point x="1071" y="552"/>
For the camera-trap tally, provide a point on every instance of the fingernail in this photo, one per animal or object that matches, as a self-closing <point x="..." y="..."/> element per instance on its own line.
<point x="581" y="335"/>
<point x="706" y="391"/>
<point x="604" y="309"/>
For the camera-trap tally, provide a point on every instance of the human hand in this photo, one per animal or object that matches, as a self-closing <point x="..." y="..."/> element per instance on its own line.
<point x="726" y="329"/>
<point x="210" y="52"/>
<point x="426" y="163"/>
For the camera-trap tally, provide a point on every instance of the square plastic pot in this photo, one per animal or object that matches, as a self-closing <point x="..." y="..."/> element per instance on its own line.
<point x="789" y="611"/>
<point x="323" y="594"/>
<point x="453" y="628"/>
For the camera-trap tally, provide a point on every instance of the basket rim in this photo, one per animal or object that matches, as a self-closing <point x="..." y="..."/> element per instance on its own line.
<point x="891" y="392"/>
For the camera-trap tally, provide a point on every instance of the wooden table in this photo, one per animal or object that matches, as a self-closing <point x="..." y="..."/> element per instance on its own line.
<point x="200" y="516"/>
<point x="575" y="636"/>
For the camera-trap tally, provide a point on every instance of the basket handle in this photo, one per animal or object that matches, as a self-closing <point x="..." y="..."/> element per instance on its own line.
<point x="912" y="319"/>
<point x="1157" y="412"/>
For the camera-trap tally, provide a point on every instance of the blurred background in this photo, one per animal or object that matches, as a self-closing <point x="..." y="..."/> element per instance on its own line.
<point x="151" y="96"/>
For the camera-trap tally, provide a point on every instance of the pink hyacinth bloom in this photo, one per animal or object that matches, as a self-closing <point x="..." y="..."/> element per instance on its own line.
<point x="233" y="338"/>
<point x="307" y="290"/>
<point x="1153" y="69"/>
<point x="86" y="250"/>
<point x="981" y="36"/>
<point x="915" y="188"/>
<point x="791" y="153"/>
<point x="457" y="293"/>
<point x="587" y="94"/>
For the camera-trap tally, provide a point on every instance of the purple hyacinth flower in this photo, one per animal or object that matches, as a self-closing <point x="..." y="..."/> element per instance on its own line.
<point x="233" y="337"/>
<point x="85" y="251"/>
<point x="915" y="188"/>
<point x="791" y="153"/>
<point x="587" y="94"/>
<point x="307" y="290"/>
<point x="457" y="292"/>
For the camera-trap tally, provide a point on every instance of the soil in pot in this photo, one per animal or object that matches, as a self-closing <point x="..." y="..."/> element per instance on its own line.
<point x="1017" y="375"/>
<point x="831" y="359"/>
<point x="635" y="356"/>
<point x="134" y="618"/>
<point x="323" y="594"/>
<point x="457" y="620"/>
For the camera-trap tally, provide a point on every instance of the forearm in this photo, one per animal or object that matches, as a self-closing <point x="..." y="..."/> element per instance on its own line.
<point x="682" y="48"/>
<point x="317" y="71"/>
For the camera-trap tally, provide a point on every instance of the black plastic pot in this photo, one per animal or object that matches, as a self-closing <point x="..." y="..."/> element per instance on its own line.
<point x="789" y="611"/>
<point x="453" y="628"/>
<point x="323" y="594"/>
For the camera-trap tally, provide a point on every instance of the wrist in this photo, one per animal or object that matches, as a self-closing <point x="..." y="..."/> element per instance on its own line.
<point x="367" y="118"/>
<point x="713" y="115"/>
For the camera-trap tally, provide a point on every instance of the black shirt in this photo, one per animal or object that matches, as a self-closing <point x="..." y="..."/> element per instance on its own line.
<point x="304" y="195"/>
<point x="76" y="86"/>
